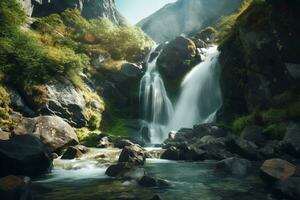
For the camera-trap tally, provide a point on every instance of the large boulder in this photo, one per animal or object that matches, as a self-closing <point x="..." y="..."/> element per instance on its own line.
<point x="52" y="131"/>
<point x="15" y="188"/>
<point x="133" y="154"/>
<point x="24" y="156"/>
<point x="126" y="170"/>
<point x="291" y="141"/>
<point x="71" y="153"/>
<point x="277" y="169"/>
<point x="148" y="181"/>
<point x="236" y="166"/>
<point x="177" y="58"/>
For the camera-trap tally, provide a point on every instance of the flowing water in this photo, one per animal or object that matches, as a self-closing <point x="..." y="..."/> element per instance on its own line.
<point x="156" y="106"/>
<point x="85" y="179"/>
<point x="200" y="96"/>
<point x="198" y="103"/>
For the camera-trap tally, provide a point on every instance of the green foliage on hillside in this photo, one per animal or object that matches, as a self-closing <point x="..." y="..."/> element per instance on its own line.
<point x="5" y="110"/>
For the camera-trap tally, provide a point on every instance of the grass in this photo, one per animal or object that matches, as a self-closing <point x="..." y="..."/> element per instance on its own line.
<point x="5" y="111"/>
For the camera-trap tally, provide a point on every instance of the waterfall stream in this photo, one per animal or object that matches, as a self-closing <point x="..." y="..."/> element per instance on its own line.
<point x="199" y="100"/>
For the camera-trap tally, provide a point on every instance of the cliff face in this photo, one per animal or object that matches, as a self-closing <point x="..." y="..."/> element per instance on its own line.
<point x="185" y="16"/>
<point x="260" y="60"/>
<point x="90" y="9"/>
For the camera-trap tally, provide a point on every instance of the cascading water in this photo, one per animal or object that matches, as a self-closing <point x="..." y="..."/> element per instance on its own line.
<point x="155" y="104"/>
<point x="200" y="96"/>
<point x="198" y="103"/>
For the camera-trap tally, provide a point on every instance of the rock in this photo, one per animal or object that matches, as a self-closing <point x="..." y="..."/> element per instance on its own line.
<point x="294" y="70"/>
<point x="51" y="130"/>
<point x="236" y="166"/>
<point x="254" y="134"/>
<point x="15" y="188"/>
<point x="18" y="103"/>
<point x="277" y="169"/>
<point x="126" y="170"/>
<point x="148" y="181"/>
<point x="133" y="154"/>
<point x="25" y="156"/>
<point x="123" y="143"/>
<point x="243" y="148"/>
<point x="156" y="197"/>
<point x="172" y="60"/>
<point x="209" y="129"/>
<point x="105" y="143"/>
<point x="54" y="156"/>
<point x="291" y="141"/>
<point x="131" y="70"/>
<point x="172" y="153"/>
<point x="4" y="135"/>
<point x="71" y="153"/>
<point x="289" y="187"/>
<point x="270" y="150"/>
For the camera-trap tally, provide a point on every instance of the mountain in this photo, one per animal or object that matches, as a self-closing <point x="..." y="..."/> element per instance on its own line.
<point x="185" y="16"/>
<point x="90" y="9"/>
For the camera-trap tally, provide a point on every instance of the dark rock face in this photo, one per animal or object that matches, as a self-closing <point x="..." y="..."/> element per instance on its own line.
<point x="253" y="60"/>
<point x="25" y="156"/>
<point x="236" y="166"/>
<point x="291" y="141"/>
<point x="90" y="9"/>
<point x="185" y="16"/>
<point x="123" y="143"/>
<point x="174" y="60"/>
<point x="15" y="188"/>
<point x="148" y="181"/>
<point x="52" y="131"/>
<point x="72" y="153"/>
<point x="289" y="187"/>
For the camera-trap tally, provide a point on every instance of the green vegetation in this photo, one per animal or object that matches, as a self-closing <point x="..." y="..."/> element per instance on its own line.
<point x="87" y="137"/>
<point x="273" y="119"/>
<point x="4" y="107"/>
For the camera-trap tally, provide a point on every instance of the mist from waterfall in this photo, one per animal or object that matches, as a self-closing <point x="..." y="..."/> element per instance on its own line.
<point x="199" y="100"/>
<point x="155" y="104"/>
<point x="200" y="96"/>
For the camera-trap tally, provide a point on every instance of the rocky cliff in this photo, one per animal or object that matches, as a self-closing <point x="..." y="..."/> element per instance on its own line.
<point x="185" y="16"/>
<point x="90" y="9"/>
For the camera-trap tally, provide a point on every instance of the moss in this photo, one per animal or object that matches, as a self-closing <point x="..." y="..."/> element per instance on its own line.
<point x="275" y="131"/>
<point x="271" y="119"/>
<point x="5" y="110"/>
<point x="87" y="137"/>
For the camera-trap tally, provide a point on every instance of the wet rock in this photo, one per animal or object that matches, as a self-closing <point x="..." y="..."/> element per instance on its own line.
<point x="15" y="188"/>
<point x="51" y="130"/>
<point x="270" y="150"/>
<point x="126" y="170"/>
<point x="171" y="61"/>
<point x="148" y="181"/>
<point x="254" y="134"/>
<point x="131" y="70"/>
<point x="236" y="166"/>
<point x="172" y="153"/>
<point x="54" y="156"/>
<point x="133" y="154"/>
<point x="71" y="153"/>
<point x="123" y="143"/>
<point x="289" y="187"/>
<point x="25" y="156"/>
<point x="277" y="169"/>
<point x="209" y="129"/>
<point x="291" y="141"/>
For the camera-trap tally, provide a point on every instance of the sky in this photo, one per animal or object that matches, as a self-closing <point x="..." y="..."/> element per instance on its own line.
<point x="136" y="10"/>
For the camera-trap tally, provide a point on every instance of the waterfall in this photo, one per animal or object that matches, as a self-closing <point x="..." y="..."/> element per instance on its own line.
<point x="200" y="96"/>
<point x="198" y="102"/>
<point x="155" y="104"/>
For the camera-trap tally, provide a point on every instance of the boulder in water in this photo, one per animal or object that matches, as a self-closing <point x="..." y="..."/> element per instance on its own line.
<point x="25" y="156"/>
<point x="72" y="153"/>
<point x="148" y="181"/>
<point x="15" y="188"/>
<point x="125" y="170"/>
<point x="172" y="153"/>
<point x="277" y="169"/>
<point x="123" y="143"/>
<point x="133" y="154"/>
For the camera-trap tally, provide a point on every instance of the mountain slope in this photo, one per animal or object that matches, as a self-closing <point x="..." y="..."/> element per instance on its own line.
<point x="90" y="9"/>
<point x="185" y="16"/>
